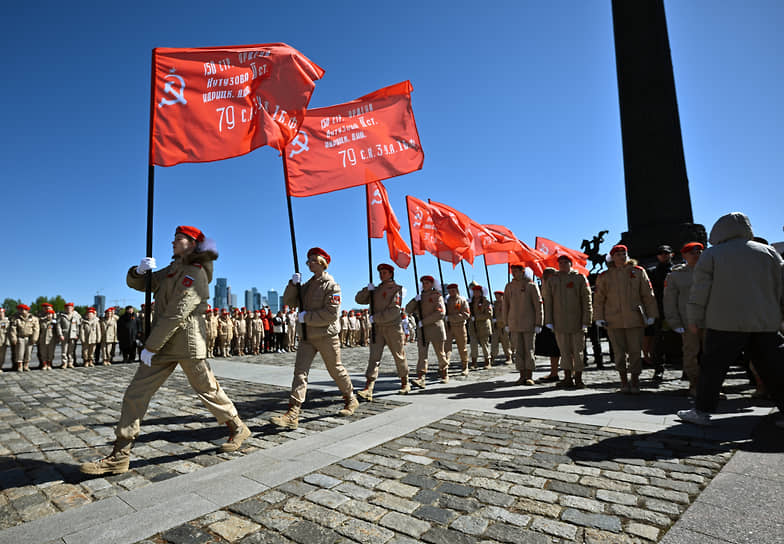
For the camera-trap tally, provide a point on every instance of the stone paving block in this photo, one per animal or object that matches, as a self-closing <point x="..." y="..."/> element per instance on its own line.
<point x="321" y="480"/>
<point x="456" y="489"/>
<point x="616" y="497"/>
<point x="605" y="483"/>
<point x="296" y="487"/>
<point x="327" y="498"/>
<point x="570" y="489"/>
<point x="397" y="488"/>
<point x="420" y="481"/>
<point x="495" y="513"/>
<point x="275" y="519"/>
<point x="472" y="525"/>
<point x="515" y="535"/>
<point x="307" y="532"/>
<point x="599" y="521"/>
<point x="440" y="535"/>
<point x="186" y="534"/>
<point x="433" y="513"/>
<point x="645" y="531"/>
<point x="555" y="528"/>
<point x="314" y="512"/>
<point x="664" y="494"/>
<point x="543" y="495"/>
<point x="493" y="497"/>
<point x="393" y="502"/>
<point x="402" y="523"/>
<point x="353" y="491"/>
<point x="362" y="510"/>
<point x="363" y="532"/>
<point x="233" y="528"/>
<point x="649" y="517"/>
<point x="581" y="503"/>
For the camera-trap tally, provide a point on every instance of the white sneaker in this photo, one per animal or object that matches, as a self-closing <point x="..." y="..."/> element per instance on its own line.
<point x="695" y="416"/>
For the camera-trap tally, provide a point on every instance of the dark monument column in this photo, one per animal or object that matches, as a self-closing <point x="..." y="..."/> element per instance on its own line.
<point x="658" y="204"/>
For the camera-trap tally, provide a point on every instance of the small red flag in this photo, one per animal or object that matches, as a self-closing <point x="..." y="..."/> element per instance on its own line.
<point x="368" y="139"/>
<point x="213" y="103"/>
<point x="552" y="250"/>
<point x="382" y="218"/>
<point x="437" y="232"/>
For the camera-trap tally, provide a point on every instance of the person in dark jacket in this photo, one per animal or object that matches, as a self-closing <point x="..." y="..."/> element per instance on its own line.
<point x="128" y="331"/>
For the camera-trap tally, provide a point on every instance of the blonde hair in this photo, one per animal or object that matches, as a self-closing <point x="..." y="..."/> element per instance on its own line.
<point x="322" y="261"/>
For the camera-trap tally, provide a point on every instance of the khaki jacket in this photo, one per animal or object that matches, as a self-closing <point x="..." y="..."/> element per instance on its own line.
<point x="109" y="329"/>
<point x="457" y="311"/>
<point x="47" y="326"/>
<point x="5" y="325"/>
<point x="225" y="329"/>
<point x="433" y="311"/>
<point x="241" y="325"/>
<point x="522" y="306"/>
<point x="90" y="332"/>
<point x="320" y="301"/>
<point x="387" y="301"/>
<point x="676" y="296"/>
<point x="344" y="324"/>
<point x="567" y="302"/>
<point x="498" y="312"/>
<point x="68" y="326"/>
<point x="257" y="326"/>
<point x="622" y="295"/>
<point x="178" y="330"/>
<point x="24" y="327"/>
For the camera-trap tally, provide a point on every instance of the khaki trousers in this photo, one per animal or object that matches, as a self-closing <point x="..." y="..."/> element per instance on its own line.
<point x="433" y="334"/>
<point x="627" y="342"/>
<point x="523" y="345"/>
<point x="224" y="346"/>
<point x="457" y="333"/>
<point x="3" y="349"/>
<point x="148" y="379"/>
<point x="46" y="350"/>
<point x="329" y="347"/>
<point x="108" y="351"/>
<point x="68" y="353"/>
<point x="392" y="336"/>
<point x="88" y="352"/>
<point x="23" y="349"/>
<point x="691" y="351"/>
<point x="571" y="346"/>
<point x="481" y="338"/>
<point x="292" y="332"/>
<point x="500" y="336"/>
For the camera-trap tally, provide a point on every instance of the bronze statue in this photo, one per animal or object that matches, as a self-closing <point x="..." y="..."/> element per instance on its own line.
<point x="592" y="250"/>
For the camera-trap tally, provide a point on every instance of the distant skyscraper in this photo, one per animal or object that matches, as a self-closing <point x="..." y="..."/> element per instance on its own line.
<point x="252" y="299"/>
<point x="256" y="300"/>
<point x="99" y="302"/>
<point x="221" y="299"/>
<point x="233" y="300"/>
<point x="272" y="297"/>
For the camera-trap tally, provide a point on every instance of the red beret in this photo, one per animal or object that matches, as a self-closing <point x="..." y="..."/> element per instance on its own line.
<point x="320" y="252"/>
<point x="452" y="286"/>
<point x="385" y="266"/>
<point x="191" y="232"/>
<point x="427" y="278"/>
<point x="477" y="287"/>
<point x="225" y="312"/>
<point x="22" y="307"/>
<point x="564" y="256"/>
<point x="692" y="246"/>
<point x="244" y="308"/>
<point x="91" y="309"/>
<point x="71" y="304"/>
<point x="498" y="292"/>
<point x="50" y="311"/>
<point x="46" y="305"/>
<point x="619" y="247"/>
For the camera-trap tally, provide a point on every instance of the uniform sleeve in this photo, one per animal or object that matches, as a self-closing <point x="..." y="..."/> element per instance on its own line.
<point x="36" y="331"/>
<point x="538" y="306"/>
<point x="81" y="334"/>
<point x="547" y="297"/>
<point x="291" y="295"/>
<point x="413" y="307"/>
<point x="670" y="303"/>
<point x="700" y="290"/>
<point x="328" y="313"/>
<point x="363" y="297"/>
<point x="12" y="334"/>
<point x="138" y="281"/>
<point x="188" y="296"/>
<point x="600" y="297"/>
<point x="585" y="296"/>
<point x="647" y="296"/>
<point x="507" y="304"/>
<point x="438" y="312"/>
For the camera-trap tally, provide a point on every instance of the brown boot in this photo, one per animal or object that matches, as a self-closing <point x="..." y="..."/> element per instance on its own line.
<point x="465" y="368"/>
<point x="116" y="463"/>
<point x="367" y="392"/>
<point x="289" y="420"/>
<point x="237" y="435"/>
<point x="473" y="364"/>
<point x="419" y="382"/>
<point x="405" y="387"/>
<point x="444" y="375"/>
<point x="351" y="404"/>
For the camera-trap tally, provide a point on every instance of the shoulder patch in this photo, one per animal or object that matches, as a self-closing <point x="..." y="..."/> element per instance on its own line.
<point x="187" y="281"/>
<point x="335" y="298"/>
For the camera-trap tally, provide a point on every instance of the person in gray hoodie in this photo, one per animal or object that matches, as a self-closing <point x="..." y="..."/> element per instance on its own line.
<point x="737" y="296"/>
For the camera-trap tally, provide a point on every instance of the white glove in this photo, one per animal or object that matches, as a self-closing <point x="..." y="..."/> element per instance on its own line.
<point x="146" y="357"/>
<point x="418" y="298"/>
<point x="601" y="323"/>
<point x="371" y="286"/>
<point x="473" y="318"/>
<point x="549" y="326"/>
<point x="537" y="330"/>
<point x="680" y="330"/>
<point x="585" y="329"/>
<point x="420" y="324"/>
<point x="650" y="321"/>
<point x="301" y="317"/>
<point x="148" y="263"/>
<point x="296" y="278"/>
<point x="494" y="320"/>
<point x="506" y="328"/>
<point x="371" y="319"/>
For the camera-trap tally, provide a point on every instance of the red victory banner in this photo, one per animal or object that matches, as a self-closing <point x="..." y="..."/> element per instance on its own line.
<point x="552" y="250"/>
<point x="368" y="139"/>
<point x="213" y="103"/>
<point x="382" y="218"/>
<point x="434" y="231"/>
<point x="509" y="248"/>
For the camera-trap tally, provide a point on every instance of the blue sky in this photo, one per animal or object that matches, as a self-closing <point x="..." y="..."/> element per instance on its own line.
<point x="516" y="105"/>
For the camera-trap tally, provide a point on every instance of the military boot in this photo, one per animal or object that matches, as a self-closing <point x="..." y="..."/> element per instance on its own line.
<point x="405" y="387"/>
<point x="444" y="375"/>
<point x="465" y="368"/>
<point x="419" y="382"/>
<point x="238" y="432"/>
<point x="351" y="404"/>
<point x="116" y="463"/>
<point x="26" y="367"/>
<point x="289" y="420"/>
<point x="473" y="364"/>
<point x="367" y="392"/>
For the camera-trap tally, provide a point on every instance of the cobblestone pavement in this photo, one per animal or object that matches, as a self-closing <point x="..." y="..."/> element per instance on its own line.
<point x="479" y="477"/>
<point x="50" y="422"/>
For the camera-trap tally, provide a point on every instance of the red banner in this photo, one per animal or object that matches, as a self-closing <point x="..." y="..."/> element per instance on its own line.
<point x="368" y="139"/>
<point x="552" y="250"/>
<point x="435" y="232"/>
<point x="382" y="218"/>
<point x="521" y="254"/>
<point x="213" y="103"/>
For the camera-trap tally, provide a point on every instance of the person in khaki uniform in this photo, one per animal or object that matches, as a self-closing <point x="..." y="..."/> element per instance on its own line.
<point x="523" y="318"/>
<point x="430" y="309"/>
<point x="241" y="326"/>
<point x="482" y="324"/>
<point x="291" y="317"/>
<point x="500" y="336"/>
<point x="676" y="298"/>
<point x="568" y="308"/>
<point x="23" y="335"/>
<point x="109" y="335"/>
<point x="90" y="337"/>
<point x="47" y="337"/>
<point x="176" y="337"/>
<point x="69" y="323"/>
<point x="318" y="318"/>
<point x="386" y="325"/>
<point x="225" y="334"/>
<point x="353" y="330"/>
<point x="625" y="304"/>
<point x="457" y="313"/>
<point x="5" y="325"/>
<point x="256" y="334"/>
<point x="210" y="325"/>
<point x="344" y="329"/>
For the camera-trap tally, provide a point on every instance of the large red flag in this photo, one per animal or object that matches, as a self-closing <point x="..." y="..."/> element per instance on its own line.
<point x="425" y="235"/>
<point x="212" y="103"/>
<point x="382" y="218"/>
<point x="521" y="254"/>
<point x="368" y="139"/>
<point x="552" y="250"/>
<point x="459" y="228"/>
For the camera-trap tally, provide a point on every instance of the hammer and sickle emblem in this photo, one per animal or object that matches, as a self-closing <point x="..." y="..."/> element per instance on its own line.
<point x="377" y="197"/>
<point x="179" y="94"/>
<point x="418" y="218"/>
<point x="302" y="145"/>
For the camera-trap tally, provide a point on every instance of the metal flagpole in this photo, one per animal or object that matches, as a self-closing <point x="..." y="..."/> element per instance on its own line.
<point x="421" y="331"/>
<point x="150" y="192"/>
<point x="294" y="244"/>
<point x="370" y="267"/>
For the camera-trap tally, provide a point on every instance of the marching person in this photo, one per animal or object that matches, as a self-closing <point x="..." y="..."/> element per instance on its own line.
<point x="387" y="300"/>
<point x="225" y="334"/>
<point x="481" y="317"/>
<point x="318" y="314"/>
<point x="291" y="328"/>
<point x="457" y="314"/>
<point x="500" y="336"/>
<point x="23" y="335"/>
<point x="5" y="326"/>
<point x="90" y="337"/>
<point x="625" y="305"/>
<point x="47" y="337"/>
<point x="676" y="298"/>
<point x="430" y="309"/>
<point x="345" y="329"/>
<point x="568" y="310"/>
<point x="128" y="332"/>
<point x="176" y="337"/>
<point x="69" y="323"/>
<point x="109" y="335"/>
<point x="523" y="317"/>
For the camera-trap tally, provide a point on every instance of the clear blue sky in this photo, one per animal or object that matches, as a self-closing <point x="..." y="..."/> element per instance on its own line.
<point x="516" y="104"/>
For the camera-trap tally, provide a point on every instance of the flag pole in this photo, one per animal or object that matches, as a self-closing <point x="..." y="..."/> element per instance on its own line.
<point x="468" y="297"/>
<point x="441" y="277"/>
<point x="293" y="243"/>
<point x="487" y="274"/>
<point x="421" y="331"/>
<point x="370" y="266"/>
<point x="150" y="193"/>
